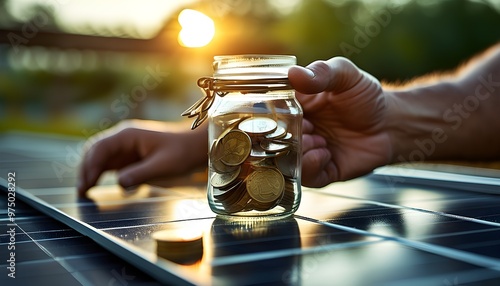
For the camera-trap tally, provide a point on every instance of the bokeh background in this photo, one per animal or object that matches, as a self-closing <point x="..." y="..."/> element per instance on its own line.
<point x="76" y="67"/>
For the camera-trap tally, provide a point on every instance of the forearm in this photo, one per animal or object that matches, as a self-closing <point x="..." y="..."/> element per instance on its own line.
<point x="448" y="117"/>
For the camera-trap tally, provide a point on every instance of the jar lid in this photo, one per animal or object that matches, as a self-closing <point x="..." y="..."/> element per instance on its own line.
<point x="252" y="66"/>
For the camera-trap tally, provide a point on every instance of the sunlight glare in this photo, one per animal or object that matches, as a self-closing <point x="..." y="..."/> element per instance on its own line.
<point x="197" y="29"/>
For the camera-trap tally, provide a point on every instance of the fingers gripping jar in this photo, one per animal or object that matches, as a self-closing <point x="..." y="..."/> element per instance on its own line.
<point x="254" y="134"/>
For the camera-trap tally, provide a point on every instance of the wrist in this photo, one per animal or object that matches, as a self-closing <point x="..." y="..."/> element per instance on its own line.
<point x="418" y="123"/>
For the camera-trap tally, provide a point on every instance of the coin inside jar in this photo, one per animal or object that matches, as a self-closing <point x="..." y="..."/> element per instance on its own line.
<point x="216" y="154"/>
<point x="287" y="164"/>
<point x="285" y="138"/>
<point x="244" y="161"/>
<point x="278" y="133"/>
<point x="265" y="185"/>
<point x="222" y="180"/>
<point x="236" y="146"/>
<point x="261" y="153"/>
<point x="258" y="125"/>
<point x="270" y="146"/>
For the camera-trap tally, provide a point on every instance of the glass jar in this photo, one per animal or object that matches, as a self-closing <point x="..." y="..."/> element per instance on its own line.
<point x="254" y="134"/>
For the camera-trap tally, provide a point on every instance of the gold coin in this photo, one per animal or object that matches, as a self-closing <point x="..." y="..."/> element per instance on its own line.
<point x="288" y="164"/>
<point x="216" y="152"/>
<point x="258" y="125"/>
<point x="265" y="185"/>
<point x="184" y="246"/>
<point x="221" y="180"/>
<point x="241" y="202"/>
<point x="225" y="195"/>
<point x="178" y="236"/>
<point x="236" y="146"/>
<point x="289" y="199"/>
<point x="264" y="206"/>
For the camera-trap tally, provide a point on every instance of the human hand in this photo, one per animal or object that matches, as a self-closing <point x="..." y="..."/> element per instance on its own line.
<point x="344" y="133"/>
<point x="142" y="153"/>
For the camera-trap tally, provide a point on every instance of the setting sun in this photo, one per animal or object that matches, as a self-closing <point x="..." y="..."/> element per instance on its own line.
<point x="197" y="29"/>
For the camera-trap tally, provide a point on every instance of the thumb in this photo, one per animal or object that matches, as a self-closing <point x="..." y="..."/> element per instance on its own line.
<point x="338" y="74"/>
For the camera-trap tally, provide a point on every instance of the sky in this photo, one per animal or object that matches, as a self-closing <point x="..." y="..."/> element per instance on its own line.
<point x="141" y="19"/>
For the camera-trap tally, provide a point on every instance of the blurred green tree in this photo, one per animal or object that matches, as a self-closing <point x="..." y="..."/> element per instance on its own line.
<point x="392" y="42"/>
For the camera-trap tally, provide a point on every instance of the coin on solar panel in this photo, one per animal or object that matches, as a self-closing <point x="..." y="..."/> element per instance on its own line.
<point x="184" y="246"/>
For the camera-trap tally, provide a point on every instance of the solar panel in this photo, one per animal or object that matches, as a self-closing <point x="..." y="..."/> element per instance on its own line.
<point x="391" y="227"/>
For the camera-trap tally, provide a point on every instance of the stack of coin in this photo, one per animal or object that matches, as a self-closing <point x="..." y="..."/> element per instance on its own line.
<point x="179" y="246"/>
<point x="253" y="164"/>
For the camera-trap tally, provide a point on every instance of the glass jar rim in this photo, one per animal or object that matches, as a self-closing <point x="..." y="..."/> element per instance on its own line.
<point x="253" y="66"/>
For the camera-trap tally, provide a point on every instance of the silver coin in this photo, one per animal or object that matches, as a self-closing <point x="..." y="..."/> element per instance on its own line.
<point x="271" y="146"/>
<point x="261" y="153"/>
<point x="280" y="132"/>
<point x="285" y="138"/>
<point x="258" y="125"/>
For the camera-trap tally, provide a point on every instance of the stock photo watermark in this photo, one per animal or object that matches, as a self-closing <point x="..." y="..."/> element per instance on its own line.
<point x="30" y="29"/>
<point x="121" y="278"/>
<point x="11" y="225"/>
<point x="319" y="254"/>
<point x="366" y="32"/>
<point x="454" y="116"/>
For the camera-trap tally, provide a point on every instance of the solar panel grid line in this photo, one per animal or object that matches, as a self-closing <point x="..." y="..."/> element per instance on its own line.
<point x="475" y="220"/>
<point x="101" y="267"/>
<point x="84" y="204"/>
<point x="479" y="260"/>
<point x="121" y="221"/>
<point x="416" y="241"/>
<point x="458" y="233"/>
<point x="448" y="234"/>
<point x="20" y="241"/>
<point x="68" y="258"/>
<point x="47" y="271"/>
<point x="221" y="261"/>
<point x="78" y="277"/>
<point x="26" y="216"/>
<point x="450" y="279"/>
<point x="453" y="232"/>
<point x="153" y="224"/>
<point x="472" y="183"/>
<point x="481" y="244"/>
<point x="122" y="250"/>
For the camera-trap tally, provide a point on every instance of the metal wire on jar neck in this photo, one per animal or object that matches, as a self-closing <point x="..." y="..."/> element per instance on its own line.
<point x="214" y="86"/>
